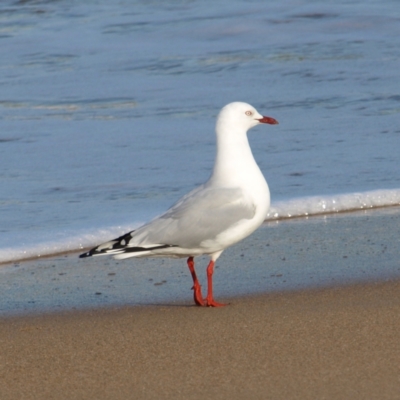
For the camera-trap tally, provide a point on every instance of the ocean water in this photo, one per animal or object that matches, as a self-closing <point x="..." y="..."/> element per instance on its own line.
<point x="107" y="109"/>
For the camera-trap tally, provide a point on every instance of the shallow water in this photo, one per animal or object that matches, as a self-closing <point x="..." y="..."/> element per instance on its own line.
<point x="107" y="110"/>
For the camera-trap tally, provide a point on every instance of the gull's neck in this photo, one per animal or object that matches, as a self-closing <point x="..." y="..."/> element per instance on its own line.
<point x="234" y="163"/>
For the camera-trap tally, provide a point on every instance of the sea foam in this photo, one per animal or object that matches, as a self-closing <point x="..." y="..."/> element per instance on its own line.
<point x="316" y="205"/>
<point x="280" y="210"/>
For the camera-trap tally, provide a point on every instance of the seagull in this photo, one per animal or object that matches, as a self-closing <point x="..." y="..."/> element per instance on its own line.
<point x="230" y="206"/>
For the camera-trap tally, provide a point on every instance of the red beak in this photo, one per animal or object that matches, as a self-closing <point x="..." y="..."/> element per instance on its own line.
<point x="268" y="120"/>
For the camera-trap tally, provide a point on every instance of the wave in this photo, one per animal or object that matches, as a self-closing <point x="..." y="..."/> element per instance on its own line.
<point x="280" y="210"/>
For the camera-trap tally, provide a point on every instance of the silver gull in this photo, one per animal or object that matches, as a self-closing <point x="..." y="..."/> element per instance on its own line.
<point x="231" y="205"/>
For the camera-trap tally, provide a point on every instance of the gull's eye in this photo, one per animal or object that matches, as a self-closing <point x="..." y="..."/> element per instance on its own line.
<point x="248" y="113"/>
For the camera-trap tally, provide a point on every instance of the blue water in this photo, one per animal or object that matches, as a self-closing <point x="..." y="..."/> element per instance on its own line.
<point x="107" y="109"/>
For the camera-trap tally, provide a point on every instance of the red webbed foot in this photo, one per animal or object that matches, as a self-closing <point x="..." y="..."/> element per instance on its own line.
<point x="213" y="303"/>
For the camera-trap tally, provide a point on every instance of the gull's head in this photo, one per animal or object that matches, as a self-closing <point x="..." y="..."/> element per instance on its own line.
<point x="241" y="116"/>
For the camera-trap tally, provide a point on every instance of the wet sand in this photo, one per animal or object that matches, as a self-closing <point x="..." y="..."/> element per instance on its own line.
<point x="290" y="255"/>
<point x="334" y="343"/>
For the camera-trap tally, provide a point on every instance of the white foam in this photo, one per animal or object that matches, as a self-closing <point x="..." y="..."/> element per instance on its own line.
<point x="294" y="208"/>
<point x="69" y="242"/>
<point x="314" y="205"/>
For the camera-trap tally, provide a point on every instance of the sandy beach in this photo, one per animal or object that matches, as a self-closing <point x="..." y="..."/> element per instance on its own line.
<point x="337" y="339"/>
<point x="325" y="344"/>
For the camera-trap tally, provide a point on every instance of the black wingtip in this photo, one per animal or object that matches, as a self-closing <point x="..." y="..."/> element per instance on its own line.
<point x="88" y="254"/>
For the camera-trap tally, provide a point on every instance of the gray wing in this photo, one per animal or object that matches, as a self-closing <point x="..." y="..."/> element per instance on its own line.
<point x="200" y="215"/>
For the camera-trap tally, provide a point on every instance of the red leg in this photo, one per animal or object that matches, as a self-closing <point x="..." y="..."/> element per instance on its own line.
<point x="198" y="297"/>
<point x="210" y="302"/>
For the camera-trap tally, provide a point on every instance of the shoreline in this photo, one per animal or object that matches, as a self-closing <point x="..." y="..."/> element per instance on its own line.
<point x="283" y="218"/>
<point x="285" y="256"/>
